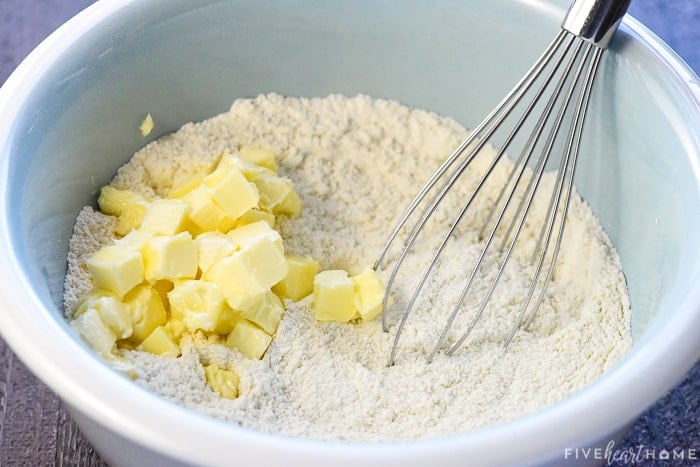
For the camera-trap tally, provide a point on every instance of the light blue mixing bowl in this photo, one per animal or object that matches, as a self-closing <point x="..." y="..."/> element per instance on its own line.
<point x="69" y="117"/>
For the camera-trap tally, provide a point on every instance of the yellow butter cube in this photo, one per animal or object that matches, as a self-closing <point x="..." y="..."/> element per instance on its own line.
<point x="245" y="235"/>
<point x="289" y="205"/>
<point x="256" y="215"/>
<point x="165" y="217"/>
<point x="252" y="270"/>
<point x="147" y="311"/>
<point x="249" y="170"/>
<point x="223" y="382"/>
<point x="116" y="268"/>
<point x="175" y="329"/>
<point x="212" y="247"/>
<point x="129" y="206"/>
<point x="115" y="314"/>
<point x="199" y="304"/>
<point x="83" y="304"/>
<point x="277" y="195"/>
<point x="299" y="281"/>
<point x="193" y="228"/>
<point x="229" y="188"/>
<point x="267" y="313"/>
<point x="135" y="239"/>
<point x="205" y="213"/>
<point x="159" y="342"/>
<point x="369" y="291"/>
<point x="94" y="332"/>
<point x="249" y="339"/>
<point x="187" y="186"/>
<point x="129" y="220"/>
<point x="116" y="202"/>
<point x="147" y="125"/>
<point x="334" y="296"/>
<point x="227" y="321"/>
<point x="163" y="286"/>
<point x="240" y="299"/>
<point x="170" y="257"/>
<point x="259" y="156"/>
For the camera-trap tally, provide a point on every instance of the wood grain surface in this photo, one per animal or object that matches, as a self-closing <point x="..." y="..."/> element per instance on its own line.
<point x="36" y="430"/>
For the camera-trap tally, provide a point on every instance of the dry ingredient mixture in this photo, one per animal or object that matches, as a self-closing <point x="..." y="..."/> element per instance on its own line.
<point x="355" y="162"/>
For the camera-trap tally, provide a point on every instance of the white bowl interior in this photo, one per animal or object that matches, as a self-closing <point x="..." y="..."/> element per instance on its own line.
<point x="184" y="60"/>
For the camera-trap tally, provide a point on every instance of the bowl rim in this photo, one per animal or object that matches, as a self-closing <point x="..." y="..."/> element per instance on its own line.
<point x="85" y="383"/>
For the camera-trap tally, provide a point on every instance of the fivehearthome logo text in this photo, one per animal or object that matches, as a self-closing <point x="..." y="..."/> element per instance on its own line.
<point x="630" y="455"/>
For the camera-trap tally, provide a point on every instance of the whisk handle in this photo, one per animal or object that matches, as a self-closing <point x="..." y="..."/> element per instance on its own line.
<point x="595" y="21"/>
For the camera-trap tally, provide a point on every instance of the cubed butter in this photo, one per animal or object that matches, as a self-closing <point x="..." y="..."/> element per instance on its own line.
<point x="205" y="213"/>
<point x="175" y="329"/>
<point x="94" y="332"/>
<point x="245" y="235"/>
<point x="249" y="170"/>
<point x="223" y="382"/>
<point x="83" y="304"/>
<point x="267" y="314"/>
<point x="170" y="257"/>
<point x="163" y="286"/>
<point x="130" y="207"/>
<point x="289" y="205"/>
<point x="129" y="221"/>
<point x="146" y="126"/>
<point x="185" y="187"/>
<point x="165" y="217"/>
<point x="135" y="239"/>
<point x="115" y="314"/>
<point x="116" y="268"/>
<point x="299" y="281"/>
<point x="229" y="188"/>
<point x="159" y="342"/>
<point x="277" y="195"/>
<point x="242" y="300"/>
<point x="334" y="296"/>
<point x="147" y="311"/>
<point x="252" y="270"/>
<point x="219" y="282"/>
<point x="249" y="339"/>
<point x="369" y="291"/>
<point x="116" y="202"/>
<point x="212" y="247"/>
<point x="259" y="156"/>
<point x="199" y="304"/>
<point x="252" y="216"/>
<point x="227" y="321"/>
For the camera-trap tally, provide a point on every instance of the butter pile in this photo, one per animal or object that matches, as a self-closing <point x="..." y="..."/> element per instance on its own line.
<point x="206" y="259"/>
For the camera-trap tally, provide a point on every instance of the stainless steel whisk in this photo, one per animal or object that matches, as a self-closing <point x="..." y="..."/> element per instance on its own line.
<point x="561" y="80"/>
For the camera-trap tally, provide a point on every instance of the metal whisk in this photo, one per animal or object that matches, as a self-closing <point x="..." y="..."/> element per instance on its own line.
<point x="559" y="87"/>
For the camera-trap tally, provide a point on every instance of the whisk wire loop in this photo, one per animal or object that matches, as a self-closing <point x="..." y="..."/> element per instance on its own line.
<point x="526" y="201"/>
<point x="480" y="135"/>
<point x="571" y="62"/>
<point x="447" y="187"/>
<point x="574" y="150"/>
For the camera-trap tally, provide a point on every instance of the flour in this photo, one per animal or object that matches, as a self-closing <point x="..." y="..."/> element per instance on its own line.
<point x="355" y="163"/>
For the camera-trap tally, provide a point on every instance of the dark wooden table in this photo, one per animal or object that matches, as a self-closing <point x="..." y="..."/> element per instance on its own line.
<point x="35" y="429"/>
